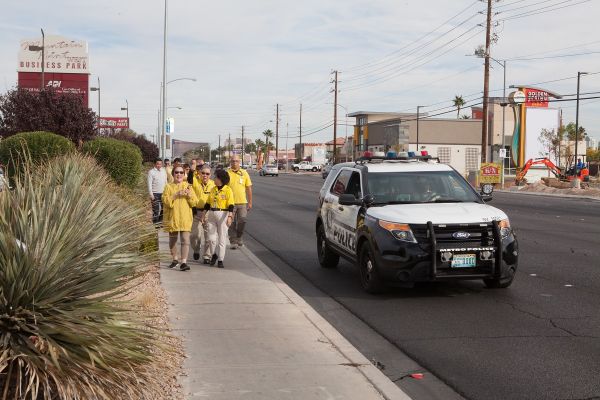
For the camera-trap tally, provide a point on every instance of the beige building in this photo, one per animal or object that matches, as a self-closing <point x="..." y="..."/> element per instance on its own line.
<point x="455" y="141"/>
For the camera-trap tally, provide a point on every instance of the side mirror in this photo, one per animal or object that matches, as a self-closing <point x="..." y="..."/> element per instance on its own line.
<point x="368" y="200"/>
<point x="349" y="200"/>
<point x="486" y="191"/>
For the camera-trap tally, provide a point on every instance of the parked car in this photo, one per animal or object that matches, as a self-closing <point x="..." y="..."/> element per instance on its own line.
<point x="306" y="166"/>
<point x="269" y="169"/>
<point x="326" y="169"/>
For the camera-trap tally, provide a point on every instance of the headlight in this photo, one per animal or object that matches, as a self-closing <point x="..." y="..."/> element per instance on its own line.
<point x="505" y="229"/>
<point x="399" y="231"/>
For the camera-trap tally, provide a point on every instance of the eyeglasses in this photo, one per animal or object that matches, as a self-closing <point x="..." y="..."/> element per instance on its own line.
<point x="178" y="173"/>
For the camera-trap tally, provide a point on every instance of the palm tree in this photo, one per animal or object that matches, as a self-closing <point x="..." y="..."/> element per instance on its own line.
<point x="458" y="103"/>
<point x="268" y="135"/>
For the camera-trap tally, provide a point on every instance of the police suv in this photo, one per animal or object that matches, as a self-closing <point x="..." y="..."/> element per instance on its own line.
<point x="412" y="219"/>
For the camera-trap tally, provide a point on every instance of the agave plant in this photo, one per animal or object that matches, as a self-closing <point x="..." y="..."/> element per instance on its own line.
<point x="69" y="243"/>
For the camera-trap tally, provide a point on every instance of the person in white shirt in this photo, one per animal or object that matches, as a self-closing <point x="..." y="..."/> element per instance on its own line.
<point x="157" y="179"/>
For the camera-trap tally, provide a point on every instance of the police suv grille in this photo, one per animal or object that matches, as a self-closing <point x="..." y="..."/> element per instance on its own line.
<point x="480" y="234"/>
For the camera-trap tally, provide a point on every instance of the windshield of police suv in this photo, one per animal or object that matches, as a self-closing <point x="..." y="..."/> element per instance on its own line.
<point x="419" y="187"/>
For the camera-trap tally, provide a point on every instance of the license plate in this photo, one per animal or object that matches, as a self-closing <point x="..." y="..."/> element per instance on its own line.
<point x="463" y="261"/>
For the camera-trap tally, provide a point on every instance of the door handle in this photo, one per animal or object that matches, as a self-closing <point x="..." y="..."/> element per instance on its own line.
<point x="340" y="208"/>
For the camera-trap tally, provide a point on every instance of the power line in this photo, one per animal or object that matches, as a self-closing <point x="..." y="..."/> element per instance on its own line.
<point x="543" y="10"/>
<point x="555" y="56"/>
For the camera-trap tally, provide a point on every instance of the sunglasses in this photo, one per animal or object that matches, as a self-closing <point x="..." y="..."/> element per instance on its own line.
<point x="178" y="173"/>
<point x="206" y="173"/>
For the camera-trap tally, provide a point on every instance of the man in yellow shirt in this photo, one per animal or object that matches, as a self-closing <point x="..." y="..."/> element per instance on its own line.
<point x="241" y="185"/>
<point x="202" y="185"/>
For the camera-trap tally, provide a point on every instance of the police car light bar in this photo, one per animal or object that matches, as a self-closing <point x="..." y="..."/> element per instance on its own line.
<point x="393" y="156"/>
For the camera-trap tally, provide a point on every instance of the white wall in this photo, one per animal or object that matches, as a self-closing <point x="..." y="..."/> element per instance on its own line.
<point x="457" y="154"/>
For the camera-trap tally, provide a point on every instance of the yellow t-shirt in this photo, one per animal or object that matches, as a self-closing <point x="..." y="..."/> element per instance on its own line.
<point x="238" y="181"/>
<point x="221" y="198"/>
<point x="202" y="191"/>
<point x="177" y="215"/>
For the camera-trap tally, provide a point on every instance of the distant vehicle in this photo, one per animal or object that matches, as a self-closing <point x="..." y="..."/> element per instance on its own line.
<point x="326" y="169"/>
<point x="306" y="166"/>
<point x="269" y="169"/>
<point x="253" y="166"/>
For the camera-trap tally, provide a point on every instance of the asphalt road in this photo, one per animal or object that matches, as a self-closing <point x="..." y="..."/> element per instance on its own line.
<point x="538" y="339"/>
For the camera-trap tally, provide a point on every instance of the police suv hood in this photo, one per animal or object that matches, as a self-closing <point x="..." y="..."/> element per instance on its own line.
<point x="437" y="213"/>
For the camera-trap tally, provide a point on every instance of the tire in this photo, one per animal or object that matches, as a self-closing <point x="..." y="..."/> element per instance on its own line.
<point x="369" y="274"/>
<point x="296" y="169"/>
<point x="314" y="169"/>
<point x="501" y="283"/>
<point x="327" y="258"/>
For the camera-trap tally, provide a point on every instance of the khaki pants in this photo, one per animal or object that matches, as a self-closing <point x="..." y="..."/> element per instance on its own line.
<point x="199" y="236"/>
<point x="236" y="230"/>
<point x="217" y="233"/>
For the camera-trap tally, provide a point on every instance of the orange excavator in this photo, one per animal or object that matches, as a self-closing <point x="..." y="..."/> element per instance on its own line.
<point x="563" y="175"/>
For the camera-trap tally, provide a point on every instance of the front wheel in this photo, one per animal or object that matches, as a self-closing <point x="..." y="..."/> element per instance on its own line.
<point x="314" y="169"/>
<point x="503" y="282"/>
<point x="327" y="258"/>
<point x="296" y="169"/>
<point x="369" y="273"/>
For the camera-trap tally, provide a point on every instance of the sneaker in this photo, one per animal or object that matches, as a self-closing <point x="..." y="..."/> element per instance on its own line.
<point x="240" y="243"/>
<point x="206" y="261"/>
<point x="196" y="256"/>
<point x="173" y="264"/>
<point x="220" y="264"/>
<point x="214" y="259"/>
<point x="184" y="267"/>
<point x="233" y="246"/>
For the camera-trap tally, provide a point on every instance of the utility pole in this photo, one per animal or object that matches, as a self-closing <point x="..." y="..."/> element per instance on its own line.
<point x="335" y="100"/>
<point x="229" y="147"/>
<point x="418" y="115"/>
<point x="220" y="150"/>
<point x="287" y="152"/>
<point x="300" y="152"/>
<point x="486" y="84"/>
<point x="243" y="145"/>
<point x="43" y="58"/>
<point x="277" y="137"/>
<point x="577" y="124"/>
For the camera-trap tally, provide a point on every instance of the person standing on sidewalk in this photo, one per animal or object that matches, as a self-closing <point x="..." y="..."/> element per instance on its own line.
<point x="202" y="185"/>
<point x="218" y="213"/>
<point x="178" y="199"/>
<point x="241" y="185"/>
<point x="157" y="179"/>
<point x="169" y="170"/>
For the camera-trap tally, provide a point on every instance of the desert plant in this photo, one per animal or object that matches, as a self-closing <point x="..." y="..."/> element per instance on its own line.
<point x="33" y="146"/>
<point x="121" y="159"/>
<point x="69" y="252"/>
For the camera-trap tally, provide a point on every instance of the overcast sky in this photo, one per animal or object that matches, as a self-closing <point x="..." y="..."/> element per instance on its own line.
<point x="249" y="55"/>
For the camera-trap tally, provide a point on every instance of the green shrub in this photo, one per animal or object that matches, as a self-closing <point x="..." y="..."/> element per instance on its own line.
<point x="122" y="160"/>
<point x="26" y="147"/>
<point x="69" y="252"/>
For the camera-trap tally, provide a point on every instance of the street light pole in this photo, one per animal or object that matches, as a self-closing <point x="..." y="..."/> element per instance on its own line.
<point x="577" y="122"/>
<point x="97" y="89"/>
<point x="126" y="108"/>
<point x="43" y="58"/>
<point x="164" y="85"/>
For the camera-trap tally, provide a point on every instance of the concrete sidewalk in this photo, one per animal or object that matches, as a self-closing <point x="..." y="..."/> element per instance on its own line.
<point x="247" y="335"/>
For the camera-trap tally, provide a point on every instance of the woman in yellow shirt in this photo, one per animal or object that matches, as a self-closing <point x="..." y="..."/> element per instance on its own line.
<point x="218" y="212"/>
<point x="178" y="199"/>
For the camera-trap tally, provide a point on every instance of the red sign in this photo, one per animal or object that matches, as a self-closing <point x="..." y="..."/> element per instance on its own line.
<point x="60" y="82"/>
<point x="114" y="122"/>
<point x="536" y="98"/>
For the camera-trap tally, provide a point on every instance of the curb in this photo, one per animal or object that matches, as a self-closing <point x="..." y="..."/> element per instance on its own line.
<point x="380" y="382"/>
<point x="567" y="196"/>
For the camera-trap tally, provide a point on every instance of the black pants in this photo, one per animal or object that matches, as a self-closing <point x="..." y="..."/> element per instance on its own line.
<point x="157" y="208"/>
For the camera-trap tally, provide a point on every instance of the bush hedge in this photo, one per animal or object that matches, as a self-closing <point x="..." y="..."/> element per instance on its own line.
<point x="33" y="147"/>
<point x="122" y="160"/>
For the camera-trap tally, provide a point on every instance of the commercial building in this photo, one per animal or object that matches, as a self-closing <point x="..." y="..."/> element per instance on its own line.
<point x="455" y="141"/>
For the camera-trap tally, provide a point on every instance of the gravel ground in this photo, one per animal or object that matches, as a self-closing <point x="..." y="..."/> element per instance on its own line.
<point x="151" y="297"/>
<point x="542" y="188"/>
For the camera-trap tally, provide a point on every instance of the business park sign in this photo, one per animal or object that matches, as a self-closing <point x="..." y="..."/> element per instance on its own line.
<point x="65" y="61"/>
